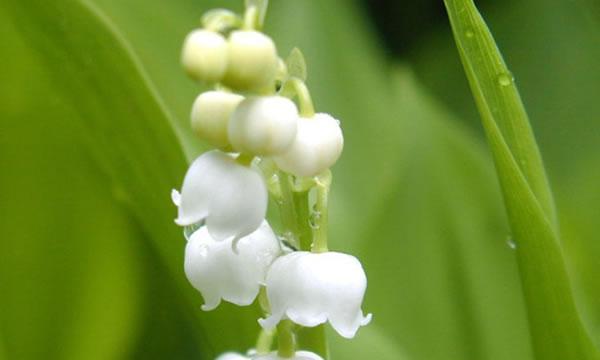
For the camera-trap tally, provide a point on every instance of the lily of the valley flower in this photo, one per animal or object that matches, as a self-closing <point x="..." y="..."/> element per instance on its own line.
<point x="300" y="355"/>
<point x="312" y="288"/>
<point x="317" y="146"/>
<point x="218" y="273"/>
<point x="231" y="198"/>
<point x="232" y="356"/>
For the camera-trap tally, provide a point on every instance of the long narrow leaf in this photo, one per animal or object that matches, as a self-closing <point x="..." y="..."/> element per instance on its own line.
<point x="556" y="329"/>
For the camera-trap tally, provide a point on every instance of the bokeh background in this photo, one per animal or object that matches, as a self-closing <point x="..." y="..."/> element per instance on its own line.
<point x="94" y="134"/>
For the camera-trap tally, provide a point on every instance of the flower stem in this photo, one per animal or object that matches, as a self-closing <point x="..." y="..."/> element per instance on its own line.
<point x="287" y="209"/>
<point x="320" y="219"/>
<point x="296" y="86"/>
<point x="285" y="337"/>
<point x="305" y="234"/>
<point x="264" y="343"/>
<point x="251" y="18"/>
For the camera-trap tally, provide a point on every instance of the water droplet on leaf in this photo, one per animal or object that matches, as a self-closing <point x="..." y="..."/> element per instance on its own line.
<point x="511" y="243"/>
<point x="505" y="79"/>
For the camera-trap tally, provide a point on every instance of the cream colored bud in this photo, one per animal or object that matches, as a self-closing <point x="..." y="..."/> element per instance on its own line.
<point x="317" y="146"/>
<point x="210" y="116"/>
<point x="252" y="63"/>
<point x="264" y="125"/>
<point x="204" y="55"/>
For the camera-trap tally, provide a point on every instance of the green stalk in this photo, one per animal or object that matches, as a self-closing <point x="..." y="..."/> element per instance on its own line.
<point x="285" y="339"/>
<point x="295" y="212"/>
<point x="302" y="207"/>
<point x="556" y="329"/>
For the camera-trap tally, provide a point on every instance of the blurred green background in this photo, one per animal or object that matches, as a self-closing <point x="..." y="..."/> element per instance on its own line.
<point x="94" y="134"/>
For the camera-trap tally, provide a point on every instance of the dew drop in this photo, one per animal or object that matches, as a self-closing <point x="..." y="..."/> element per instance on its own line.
<point x="288" y="240"/>
<point x="189" y="230"/>
<point x="469" y="33"/>
<point x="315" y="220"/>
<point x="505" y="79"/>
<point x="511" y="243"/>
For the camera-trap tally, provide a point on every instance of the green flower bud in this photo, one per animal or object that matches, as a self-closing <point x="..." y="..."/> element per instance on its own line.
<point x="252" y="63"/>
<point x="204" y="55"/>
<point x="210" y="116"/>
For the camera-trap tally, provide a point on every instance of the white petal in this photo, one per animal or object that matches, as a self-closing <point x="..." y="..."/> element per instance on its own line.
<point x="310" y="289"/>
<point x="176" y="197"/>
<point x="263" y="125"/>
<point x="200" y="182"/>
<point x="318" y="145"/>
<point x="218" y="273"/>
<point x="232" y="356"/>
<point x="300" y="355"/>
<point x="239" y="203"/>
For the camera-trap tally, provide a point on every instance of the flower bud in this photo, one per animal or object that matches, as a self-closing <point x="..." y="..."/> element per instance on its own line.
<point x="263" y="125"/>
<point x="317" y="146"/>
<point x="252" y="60"/>
<point x="204" y="55"/>
<point x="210" y="116"/>
<point x="312" y="288"/>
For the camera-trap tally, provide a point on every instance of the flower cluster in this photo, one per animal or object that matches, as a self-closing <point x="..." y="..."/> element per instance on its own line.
<point x="259" y="132"/>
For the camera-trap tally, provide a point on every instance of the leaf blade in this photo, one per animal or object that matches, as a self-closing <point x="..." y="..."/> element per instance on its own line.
<point x="557" y="332"/>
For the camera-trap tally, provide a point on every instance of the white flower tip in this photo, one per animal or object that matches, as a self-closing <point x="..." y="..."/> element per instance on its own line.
<point x="211" y="305"/>
<point x="176" y="197"/>
<point x="186" y="221"/>
<point x="269" y="323"/>
<point x="366" y="320"/>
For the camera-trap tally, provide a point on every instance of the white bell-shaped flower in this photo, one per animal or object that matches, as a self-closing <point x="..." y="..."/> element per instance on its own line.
<point x="300" y="355"/>
<point x="252" y="61"/>
<point x="230" y="197"/>
<point x="317" y="146"/>
<point x="215" y="270"/>
<point x="232" y="356"/>
<point x="204" y="55"/>
<point x="311" y="288"/>
<point x="263" y="125"/>
<point x="210" y="116"/>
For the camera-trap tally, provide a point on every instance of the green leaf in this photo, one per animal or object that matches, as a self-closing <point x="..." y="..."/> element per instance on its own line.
<point x="296" y="64"/>
<point x="370" y="343"/>
<point x="556" y="329"/>
<point x="77" y="82"/>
